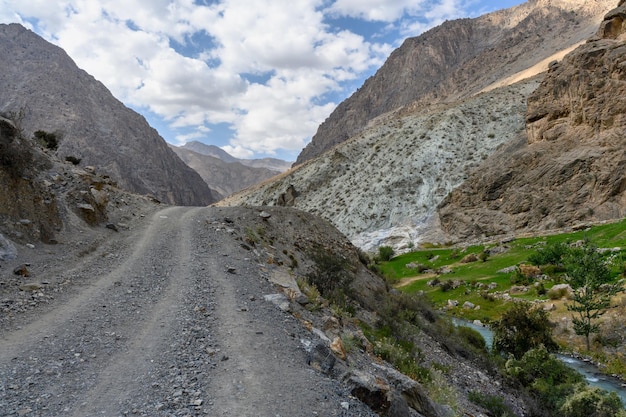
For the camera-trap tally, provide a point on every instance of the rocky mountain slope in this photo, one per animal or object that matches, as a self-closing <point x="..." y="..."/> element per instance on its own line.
<point x="382" y="186"/>
<point x="461" y="58"/>
<point x="571" y="167"/>
<point x="42" y="197"/>
<point x="43" y="89"/>
<point x="223" y="177"/>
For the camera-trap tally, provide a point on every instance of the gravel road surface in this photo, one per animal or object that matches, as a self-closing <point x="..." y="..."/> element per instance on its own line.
<point x="166" y="319"/>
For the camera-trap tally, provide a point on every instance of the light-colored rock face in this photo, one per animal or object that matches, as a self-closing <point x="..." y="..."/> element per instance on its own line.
<point x="382" y="186"/>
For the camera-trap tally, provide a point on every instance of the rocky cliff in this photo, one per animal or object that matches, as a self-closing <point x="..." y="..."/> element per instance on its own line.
<point x="43" y="89"/>
<point x="572" y="166"/>
<point x="460" y="58"/>
<point x="45" y="199"/>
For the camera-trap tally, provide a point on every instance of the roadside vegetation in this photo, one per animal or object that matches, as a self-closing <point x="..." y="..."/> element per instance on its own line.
<point x="539" y="295"/>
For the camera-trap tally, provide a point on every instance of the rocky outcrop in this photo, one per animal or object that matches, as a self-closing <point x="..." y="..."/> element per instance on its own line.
<point x="28" y="209"/>
<point x="43" y="198"/>
<point x="461" y="58"/>
<point x="43" y="89"/>
<point x="572" y="167"/>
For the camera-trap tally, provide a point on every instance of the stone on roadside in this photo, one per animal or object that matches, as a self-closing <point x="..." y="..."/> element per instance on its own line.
<point x="31" y="286"/>
<point x="338" y="348"/>
<point x="279" y="300"/>
<point x="21" y="270"/>
<point x="321" y="358"/>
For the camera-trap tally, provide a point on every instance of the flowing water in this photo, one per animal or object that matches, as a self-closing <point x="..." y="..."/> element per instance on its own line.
<point x="589" y="371"/>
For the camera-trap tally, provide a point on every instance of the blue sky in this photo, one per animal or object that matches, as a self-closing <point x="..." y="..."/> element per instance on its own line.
<point x="253" y="77"/>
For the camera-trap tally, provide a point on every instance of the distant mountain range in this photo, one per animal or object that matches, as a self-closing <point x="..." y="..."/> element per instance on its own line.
<point x="225" y="173"/>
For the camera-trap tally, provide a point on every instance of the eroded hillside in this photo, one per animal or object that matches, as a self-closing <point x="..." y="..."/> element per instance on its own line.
<point x="383" y="185"/>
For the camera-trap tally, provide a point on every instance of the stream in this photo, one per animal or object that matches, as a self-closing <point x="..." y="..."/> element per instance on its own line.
<point x="589" y="371"/>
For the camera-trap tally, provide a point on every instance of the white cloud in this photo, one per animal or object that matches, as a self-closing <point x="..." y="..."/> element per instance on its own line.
<point x="187" y="62"/>
<point x="379" y="10"/>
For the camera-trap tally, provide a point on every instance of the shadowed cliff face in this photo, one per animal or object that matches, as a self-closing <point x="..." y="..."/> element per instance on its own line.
<point x="572" y="167"/>
<point x="48" y="92"/>
<point x="459" y="59"/>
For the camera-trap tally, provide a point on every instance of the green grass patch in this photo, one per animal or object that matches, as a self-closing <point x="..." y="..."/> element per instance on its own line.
<point x="415" y="264"/>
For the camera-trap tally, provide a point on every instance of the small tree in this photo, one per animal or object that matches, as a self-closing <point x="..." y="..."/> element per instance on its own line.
<point x="590" y="279"/>
<point x="522" y="328"/>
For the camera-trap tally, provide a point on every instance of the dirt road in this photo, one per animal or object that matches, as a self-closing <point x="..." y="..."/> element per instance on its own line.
<point x="166" y="320"/>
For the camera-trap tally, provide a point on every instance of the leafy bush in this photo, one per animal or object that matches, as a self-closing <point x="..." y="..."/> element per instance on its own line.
<point x="49" y="140"/>
<point x="522" y="328"/>
<point x="385" y="253"/>
<point x="546" y="378"/>
<point x="331" y="273"/>
<point x="551" y="254"/>
<point x="592" y="402"/>
<point x="472" y="337"/>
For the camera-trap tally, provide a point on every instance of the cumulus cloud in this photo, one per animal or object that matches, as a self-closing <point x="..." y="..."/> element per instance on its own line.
<point x="272" y="72"/>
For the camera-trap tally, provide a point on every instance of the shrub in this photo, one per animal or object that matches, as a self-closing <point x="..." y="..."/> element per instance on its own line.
<point x="331" y="273"/>
<point x="48" y="140"/>
<point x="404" y="356"/>
<point x="551" y="254"/>
<point x="546" y="378"/>
<point x="73" y="160"/>
<point x="472" y="337"/>
<point x="592" y="402"/>
<point x="522" y="328"/>
<point x="385" y="253"/>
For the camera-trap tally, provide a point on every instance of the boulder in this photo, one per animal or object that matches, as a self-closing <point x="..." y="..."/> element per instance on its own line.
<point x="279" y="300"/>
<point x="338" y="348"/>
<point x="321" y="358"/>
<point x="7" y="249"/>
<point x="471" y="257"/>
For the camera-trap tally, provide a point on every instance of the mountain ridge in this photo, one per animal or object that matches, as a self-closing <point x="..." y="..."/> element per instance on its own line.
<point x="43" y="89"/>
<point x="449" y="59"/>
